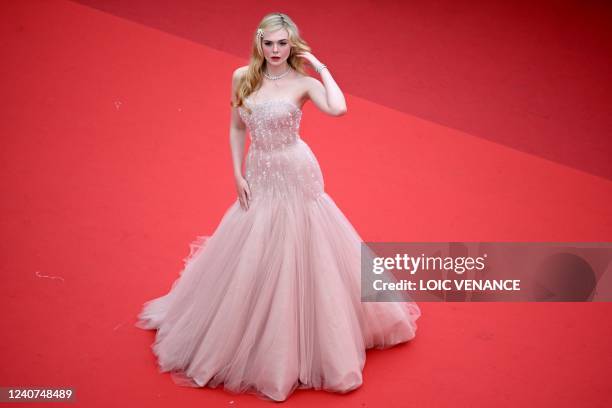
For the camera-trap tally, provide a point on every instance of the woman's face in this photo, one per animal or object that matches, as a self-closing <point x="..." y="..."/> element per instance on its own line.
<point x="276" y="47"/>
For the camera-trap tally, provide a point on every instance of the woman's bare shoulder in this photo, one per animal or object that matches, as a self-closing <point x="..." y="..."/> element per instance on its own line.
<point x="308" y="83"/>
<point x="240" y="71"/>
<point x="301" y="77"/>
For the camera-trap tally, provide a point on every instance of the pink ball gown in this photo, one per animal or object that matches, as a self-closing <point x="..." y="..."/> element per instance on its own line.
<point x="271" y="301"/>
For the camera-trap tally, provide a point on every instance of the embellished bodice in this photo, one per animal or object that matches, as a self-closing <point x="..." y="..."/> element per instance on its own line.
<point x="273" y="124"/>
<point x="279" y="164"/>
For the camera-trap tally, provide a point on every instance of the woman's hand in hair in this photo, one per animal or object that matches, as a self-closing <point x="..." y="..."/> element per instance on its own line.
<point x="314" y="62"/>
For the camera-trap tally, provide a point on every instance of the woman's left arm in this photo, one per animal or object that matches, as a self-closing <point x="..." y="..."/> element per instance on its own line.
<point x="327" y="96"/>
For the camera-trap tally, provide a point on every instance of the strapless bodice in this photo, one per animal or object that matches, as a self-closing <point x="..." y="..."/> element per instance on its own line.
<point x="279" y="163"/>
<point x="273" y="124"/>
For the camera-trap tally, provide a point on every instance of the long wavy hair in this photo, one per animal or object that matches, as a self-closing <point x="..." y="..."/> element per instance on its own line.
<point x="252" y="80"/>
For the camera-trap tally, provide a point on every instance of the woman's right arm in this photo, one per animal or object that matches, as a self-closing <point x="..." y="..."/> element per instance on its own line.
<point x="237" y="136"/>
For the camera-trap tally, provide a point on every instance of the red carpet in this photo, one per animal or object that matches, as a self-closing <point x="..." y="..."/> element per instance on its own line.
<point x="474" y="122"/>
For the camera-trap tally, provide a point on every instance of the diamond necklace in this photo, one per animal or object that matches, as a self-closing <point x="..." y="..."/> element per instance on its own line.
<point x="275" y="77"/>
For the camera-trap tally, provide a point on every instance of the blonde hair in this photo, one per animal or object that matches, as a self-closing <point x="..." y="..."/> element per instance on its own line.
<point x="252" y="80"/>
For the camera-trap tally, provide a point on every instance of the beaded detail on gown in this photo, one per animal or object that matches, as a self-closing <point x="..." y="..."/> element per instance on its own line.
<point x="270" y="301"/>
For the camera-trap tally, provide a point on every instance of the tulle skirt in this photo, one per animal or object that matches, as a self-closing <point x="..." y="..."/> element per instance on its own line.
<point x="271" y="302"/>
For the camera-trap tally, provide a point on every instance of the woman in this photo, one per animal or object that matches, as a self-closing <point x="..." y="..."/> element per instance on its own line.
<point x="270" y="302"/>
